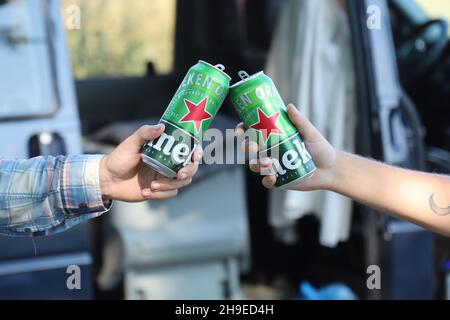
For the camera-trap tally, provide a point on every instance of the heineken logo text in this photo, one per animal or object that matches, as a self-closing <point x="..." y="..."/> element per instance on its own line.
<point x="179" y="151"/>
<point x="288" y="155"/>
<point x="202" y="80"/>
<point x="262" y="92"/>
<point x="174" y="148"/>
<point x="291" y="159"/>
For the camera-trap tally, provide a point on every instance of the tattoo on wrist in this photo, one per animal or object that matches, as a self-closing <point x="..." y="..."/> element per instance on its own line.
<point x="436" y="209"/>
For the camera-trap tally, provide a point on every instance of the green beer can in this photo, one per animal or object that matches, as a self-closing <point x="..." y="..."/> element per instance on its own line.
<point x="188" y="115"/>
<point x="264" y="115"/>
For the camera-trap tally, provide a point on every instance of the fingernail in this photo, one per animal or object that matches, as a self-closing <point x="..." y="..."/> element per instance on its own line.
<point x="198" y="156"/>
<point x="146" y="192"/>
<point x="267" y="171"/>
<point x="265" y="161"/>
<point x="155" y="185"/>
<point x="253" y="147"/>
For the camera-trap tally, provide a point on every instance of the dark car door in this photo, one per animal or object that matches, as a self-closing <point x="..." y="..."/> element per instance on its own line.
<point x="389" y="131"/>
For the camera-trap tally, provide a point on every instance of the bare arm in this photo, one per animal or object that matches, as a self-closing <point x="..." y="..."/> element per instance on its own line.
<point x="419" y="197"/>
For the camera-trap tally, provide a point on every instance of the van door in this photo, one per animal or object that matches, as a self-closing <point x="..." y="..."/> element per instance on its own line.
<point x="38" y="116"/>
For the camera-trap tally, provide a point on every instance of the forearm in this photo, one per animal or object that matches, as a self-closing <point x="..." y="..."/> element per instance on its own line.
<point x="48" y="194"/>
<point x="403" y="193"/>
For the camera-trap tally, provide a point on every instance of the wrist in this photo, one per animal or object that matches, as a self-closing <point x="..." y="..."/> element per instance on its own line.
<point x="335" y="170"/>
<point x="105" y="181"/>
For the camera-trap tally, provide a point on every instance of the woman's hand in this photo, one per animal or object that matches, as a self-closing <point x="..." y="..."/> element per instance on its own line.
<point x="322" y="152"/>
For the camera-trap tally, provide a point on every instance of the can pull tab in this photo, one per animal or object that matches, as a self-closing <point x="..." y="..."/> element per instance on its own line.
<point x="219" y="66"/>
<point x="243" y="75"/>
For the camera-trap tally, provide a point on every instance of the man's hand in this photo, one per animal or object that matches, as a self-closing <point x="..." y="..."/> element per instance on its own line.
<point x="322" y="152"/>
<point x="123" y="175"/>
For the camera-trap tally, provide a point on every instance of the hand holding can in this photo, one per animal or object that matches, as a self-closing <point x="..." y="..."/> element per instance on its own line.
<point x="263" y="113"/>
<point x="190" y="112"/>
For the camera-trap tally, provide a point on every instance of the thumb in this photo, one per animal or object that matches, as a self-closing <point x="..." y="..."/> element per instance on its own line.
<point x="304" y="126"/>
<point x="145" y="133"/>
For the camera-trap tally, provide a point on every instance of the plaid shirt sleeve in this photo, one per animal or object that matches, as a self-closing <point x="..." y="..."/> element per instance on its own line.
<point x="46" y="195"/>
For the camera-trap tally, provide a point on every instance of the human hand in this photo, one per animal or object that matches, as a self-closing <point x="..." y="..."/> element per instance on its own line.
<point x="323" y="154"/>
<point x="123" y="175"/>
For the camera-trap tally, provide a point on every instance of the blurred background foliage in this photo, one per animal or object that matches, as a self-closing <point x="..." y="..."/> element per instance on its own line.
<point x="118" y="37"/>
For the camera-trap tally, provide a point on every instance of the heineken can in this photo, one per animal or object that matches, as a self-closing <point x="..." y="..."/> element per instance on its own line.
<point x="188" y="115"/>
<point x="262" y="111"/>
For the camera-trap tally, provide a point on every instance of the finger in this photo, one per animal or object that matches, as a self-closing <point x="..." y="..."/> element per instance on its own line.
<point x="148" y="194"/>
<point x="269" y="181"/>
<point x="240" y="130"/>
<point x="250" y="147"/>
<point x="167" y="184"/>
<point x="198" y="154"/>
<point x="260" y="165"/>
<point x="304" y="126"/>
<point x="187" y="172"/>
<point x="145" y="133"/>
<point x="254" y="166"/>
<point x="265" y="162"/>
<point x="191" y="169"/>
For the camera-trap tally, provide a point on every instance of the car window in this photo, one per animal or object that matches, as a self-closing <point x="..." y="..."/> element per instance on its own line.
<point x="436" y="9"/>
<point x="26" y="81"/>
<point x="119" y="38"/>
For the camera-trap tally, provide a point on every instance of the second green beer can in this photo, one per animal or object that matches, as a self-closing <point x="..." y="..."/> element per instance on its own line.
<point x="189" y="114"/>
<point x="262" y="111"/>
